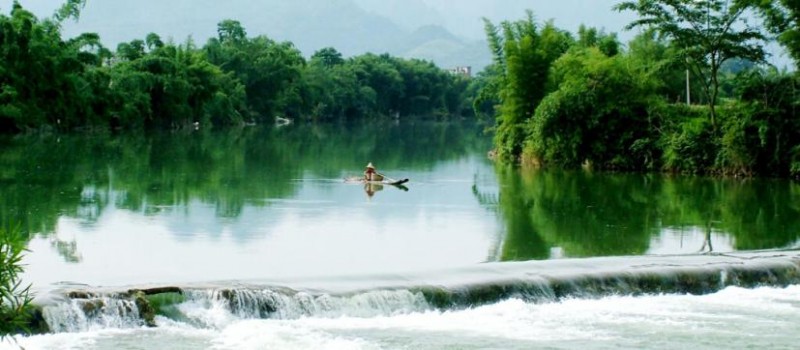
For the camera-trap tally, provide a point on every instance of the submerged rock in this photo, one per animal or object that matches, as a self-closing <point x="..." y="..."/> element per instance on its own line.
<point x="146" y="311"/>
<point x="92" y="307"/>
<point x="79" y="294"/>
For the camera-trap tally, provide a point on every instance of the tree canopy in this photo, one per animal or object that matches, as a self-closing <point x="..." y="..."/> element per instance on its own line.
<point x="47" y="82"/>
<point x="709" y="32"/>
<point x="587" y="100"/>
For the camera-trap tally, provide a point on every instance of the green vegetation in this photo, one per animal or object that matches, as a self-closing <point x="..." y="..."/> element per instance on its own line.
<point x="710" y="33"/>
<point x="47" y="177"/>
<point x="559" y="99"/>
<point x="52" y="83"/>
<point x="15" y="299"/>
<point x="567" y="101"/>
<point x="586" y="214"/>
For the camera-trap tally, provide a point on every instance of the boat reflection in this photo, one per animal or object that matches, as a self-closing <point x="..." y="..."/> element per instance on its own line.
<point x="372" y="187"/>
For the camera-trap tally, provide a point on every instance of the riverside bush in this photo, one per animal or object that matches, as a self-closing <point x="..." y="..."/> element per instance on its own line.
<point x="15" y="299"/>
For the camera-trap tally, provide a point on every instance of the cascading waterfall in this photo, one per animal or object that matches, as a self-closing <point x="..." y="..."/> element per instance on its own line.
<point x="537" y="282"/>
<point x="76" y="315"/>
<point x="273" y="304"/>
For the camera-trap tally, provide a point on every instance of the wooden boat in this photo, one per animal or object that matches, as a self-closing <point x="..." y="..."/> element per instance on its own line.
<point x="384" y="181"/>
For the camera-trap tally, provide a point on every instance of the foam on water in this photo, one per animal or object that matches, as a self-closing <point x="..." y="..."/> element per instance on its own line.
<point x="105" y="312"/>
<point x="762" y="317"/>
<point x="170" y="336"/>
<point x="257" y="334"/>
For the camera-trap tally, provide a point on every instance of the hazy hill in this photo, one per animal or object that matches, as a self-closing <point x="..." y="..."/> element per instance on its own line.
<point x="439" y="45"/>
<point x="309" y="24"/>
<point x="463" y="17"/>
<point x="449" y="32"/>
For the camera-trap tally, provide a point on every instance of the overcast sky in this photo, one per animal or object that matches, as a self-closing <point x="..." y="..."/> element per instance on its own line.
<point x="462" y="17"/>
<point x="124" y="20"/>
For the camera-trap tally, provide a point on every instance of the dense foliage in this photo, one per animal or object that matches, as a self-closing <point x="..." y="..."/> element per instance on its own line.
<point x="523" y="53"/>
<point x="591" y="101"/>
<point x="46" y="81"/>
<point x="15" y="299"/>
<point x="583" y="214"/>
<point x="558" y="98"/>
<point x="710" y="33"/>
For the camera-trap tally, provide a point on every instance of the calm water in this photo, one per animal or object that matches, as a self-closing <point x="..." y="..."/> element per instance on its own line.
<point x="271" y="204"/>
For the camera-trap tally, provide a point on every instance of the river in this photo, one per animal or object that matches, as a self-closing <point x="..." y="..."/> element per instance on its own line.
<point x="272" y="248"/>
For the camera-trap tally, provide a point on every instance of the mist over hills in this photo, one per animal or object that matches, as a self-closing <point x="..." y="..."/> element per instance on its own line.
<point x="463" y="17"/>
<point x="447" y="32"/>
<point x="310" y="25"/>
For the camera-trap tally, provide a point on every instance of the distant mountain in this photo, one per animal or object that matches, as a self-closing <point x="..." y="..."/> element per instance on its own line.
<point x="310" y="24"/>
<point x="409" y="14"/>
<point x="435" y="43"/>
<point x="463" y="17"/>
<point x="448" y="32"/>
<point x="428" y="33"/>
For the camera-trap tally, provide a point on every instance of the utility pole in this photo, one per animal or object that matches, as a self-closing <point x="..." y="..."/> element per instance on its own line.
<point x="688" y="89"/>
<point x="708" y="26"/>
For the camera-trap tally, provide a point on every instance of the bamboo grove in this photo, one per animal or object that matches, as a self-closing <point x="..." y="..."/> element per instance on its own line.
<point x="47" y="82"/>
<point x="588" y="100"/>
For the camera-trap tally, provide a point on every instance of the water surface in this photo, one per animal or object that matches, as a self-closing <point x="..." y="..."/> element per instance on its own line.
<point x="261" y="203"/>
<point x="226" y="209"/>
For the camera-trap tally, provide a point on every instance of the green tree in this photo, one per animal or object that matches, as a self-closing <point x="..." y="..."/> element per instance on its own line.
<point x="70" y="9"/>
<point x="41" y="79"/>
<point x="782" y="17"/>
<point x="762" y="133"/>
<point x="153" y="41"/>
<point x="47" y="82"/>
<point x="231" y="31"/>
<point x="591" y="37"/>
<point x="659" y="63"/>
<point x="173" y="87"/>
<point x="523" y="54"/>
<point x="327" y="57"/>
<point x="270" y="71"/>
<point x="378" y="75"/>
<point x="584" y="120"/>
<point x="372" y="86"/>
<point x="132" y="50"/>
<point x="709" y="31"/>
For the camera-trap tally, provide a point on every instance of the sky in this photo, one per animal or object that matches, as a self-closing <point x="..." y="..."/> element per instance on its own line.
<point x="352" y="25"/>
<point x="463" y="17"/>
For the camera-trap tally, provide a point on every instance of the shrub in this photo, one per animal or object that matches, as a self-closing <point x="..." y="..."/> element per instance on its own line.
<point x="15" y="300"/>
<point x="598" y="115"/>
<point x="688" y="141"/>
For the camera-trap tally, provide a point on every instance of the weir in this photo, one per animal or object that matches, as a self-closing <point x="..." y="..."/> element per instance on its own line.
<point x="69" y="309"/>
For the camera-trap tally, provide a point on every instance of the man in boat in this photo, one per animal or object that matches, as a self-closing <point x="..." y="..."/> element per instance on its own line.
<point x="371" y="175"/>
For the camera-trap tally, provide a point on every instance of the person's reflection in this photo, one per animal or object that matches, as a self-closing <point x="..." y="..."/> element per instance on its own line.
<point x="371" y="188"/>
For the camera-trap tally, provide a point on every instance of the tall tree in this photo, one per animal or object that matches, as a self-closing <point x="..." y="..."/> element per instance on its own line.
<point x="230" y="30"/>
<point x="782" y="17"/>
<point x="70" y="9"/>
<point x="328" y="57"/>
<point x="269" y="70"/>
<point x="709" y="31"/>
<point x="523" y="52"/>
